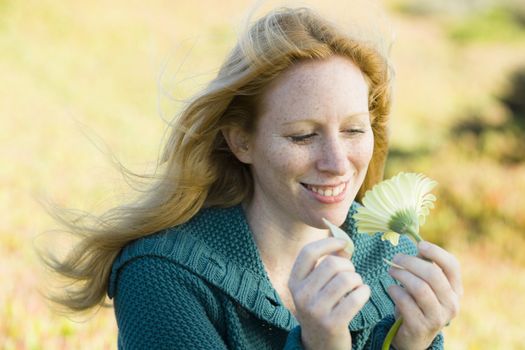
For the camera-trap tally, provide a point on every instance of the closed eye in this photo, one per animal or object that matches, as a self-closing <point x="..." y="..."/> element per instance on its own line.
<point x="306" y="138"/>
<point x="354" y="131"/>
<point x="302" y="138"/>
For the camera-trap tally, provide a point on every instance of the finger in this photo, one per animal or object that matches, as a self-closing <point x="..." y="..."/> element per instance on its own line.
<point x="343" y="254"/>
<point x="307" y="258"/>
<point x="419" y="290"/>
<point x="326" y="270"/>
<point x="351" y="304"/>
<point x="338" y="287"/>
<point x="446" y="261"/>
<point x="406" y="306"/>
<point x="428" y="272"/>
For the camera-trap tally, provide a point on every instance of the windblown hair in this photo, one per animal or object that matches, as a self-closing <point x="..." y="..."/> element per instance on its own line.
<point x="199" y="170"/>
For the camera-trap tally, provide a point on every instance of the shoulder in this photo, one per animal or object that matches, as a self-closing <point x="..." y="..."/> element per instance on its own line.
<point x="205" y="245"/>
<point x="138" y="256"/>
<point x="182" y="245"/>
<point x="154" y="296"/>
<point x="147" y="275"/>
<point x="150" y="277"/>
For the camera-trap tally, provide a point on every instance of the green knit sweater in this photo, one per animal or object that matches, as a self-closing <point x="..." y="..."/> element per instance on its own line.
<point x="202" y="285"/>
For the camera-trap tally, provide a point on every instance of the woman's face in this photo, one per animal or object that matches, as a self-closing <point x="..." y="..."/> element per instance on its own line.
<point x="313" y="143"/>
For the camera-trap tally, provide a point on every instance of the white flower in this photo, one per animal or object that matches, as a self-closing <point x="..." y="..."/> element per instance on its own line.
<point x="396" y="206"/>
<point x="339" y="233"/>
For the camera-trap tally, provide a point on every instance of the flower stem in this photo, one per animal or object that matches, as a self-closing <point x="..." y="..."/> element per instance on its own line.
<point x="414" y="234"/>
<point x="395" y="327"/>
<point x="391" y="334"/>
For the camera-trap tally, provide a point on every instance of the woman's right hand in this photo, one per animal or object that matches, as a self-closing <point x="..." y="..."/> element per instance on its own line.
<point x="327" y="293"/>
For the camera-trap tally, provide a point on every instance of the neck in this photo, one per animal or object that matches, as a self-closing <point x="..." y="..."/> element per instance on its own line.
<point x="278" y="239"/>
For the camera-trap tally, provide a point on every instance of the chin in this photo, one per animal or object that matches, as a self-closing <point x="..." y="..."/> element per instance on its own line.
<point x="336" y="217"/>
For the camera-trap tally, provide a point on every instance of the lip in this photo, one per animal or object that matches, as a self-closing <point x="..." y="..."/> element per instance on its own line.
<point x="327" y="199"/>
<point x="325" y="185"/>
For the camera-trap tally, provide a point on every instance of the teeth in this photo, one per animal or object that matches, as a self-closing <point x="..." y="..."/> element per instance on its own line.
<point x="330" y="192"/>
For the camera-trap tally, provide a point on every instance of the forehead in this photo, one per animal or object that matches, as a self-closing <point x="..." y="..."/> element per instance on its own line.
<point x="332" y="85"/>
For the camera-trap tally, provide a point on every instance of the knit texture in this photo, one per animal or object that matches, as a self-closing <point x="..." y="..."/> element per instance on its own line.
<point x="202" y="285"/>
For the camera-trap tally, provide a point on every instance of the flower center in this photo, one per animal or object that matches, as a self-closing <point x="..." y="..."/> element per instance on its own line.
<point x="405" y="221"/>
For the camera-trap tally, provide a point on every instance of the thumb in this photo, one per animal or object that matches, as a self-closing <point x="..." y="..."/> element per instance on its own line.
<point x="342" y="235"/>
<point x="347" y="250"/>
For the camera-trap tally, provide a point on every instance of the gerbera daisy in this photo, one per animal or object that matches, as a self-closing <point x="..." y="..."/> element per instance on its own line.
<point x="396" y="206"/>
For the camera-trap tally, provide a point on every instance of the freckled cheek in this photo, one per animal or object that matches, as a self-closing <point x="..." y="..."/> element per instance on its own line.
<point x="284" y="161"/>
<point x="361" y="152"/>
<point x="278" y="155"/>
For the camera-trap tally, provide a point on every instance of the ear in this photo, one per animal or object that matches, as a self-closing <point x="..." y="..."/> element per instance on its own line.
<point x="238" y="141"/>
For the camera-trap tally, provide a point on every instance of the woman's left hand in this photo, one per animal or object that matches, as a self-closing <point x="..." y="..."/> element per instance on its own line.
<point x="430" y="296"/>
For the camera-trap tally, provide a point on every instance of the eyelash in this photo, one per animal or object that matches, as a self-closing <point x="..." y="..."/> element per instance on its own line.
<point x="301" y="139"/>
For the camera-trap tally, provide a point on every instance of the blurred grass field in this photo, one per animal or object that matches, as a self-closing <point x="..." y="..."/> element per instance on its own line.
<point x="80" y="77"/>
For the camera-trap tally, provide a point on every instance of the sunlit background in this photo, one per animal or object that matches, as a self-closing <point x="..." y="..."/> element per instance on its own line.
<point x="80" y="81"/>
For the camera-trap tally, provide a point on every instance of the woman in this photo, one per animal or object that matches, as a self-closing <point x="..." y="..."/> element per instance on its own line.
<point x="228" y="249"/>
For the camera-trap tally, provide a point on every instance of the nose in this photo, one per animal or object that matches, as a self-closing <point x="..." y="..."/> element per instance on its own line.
<point x="334" y="157"/>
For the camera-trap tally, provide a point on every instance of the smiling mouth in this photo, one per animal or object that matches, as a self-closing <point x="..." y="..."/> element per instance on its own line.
<point x="327" y="191"/>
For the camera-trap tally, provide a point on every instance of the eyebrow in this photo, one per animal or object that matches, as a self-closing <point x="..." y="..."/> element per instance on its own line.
<point x="315" y="121"/>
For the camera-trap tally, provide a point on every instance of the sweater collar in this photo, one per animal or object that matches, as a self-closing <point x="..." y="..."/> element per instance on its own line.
<point x="239" y="270"/>
<point x="218" y="246"/>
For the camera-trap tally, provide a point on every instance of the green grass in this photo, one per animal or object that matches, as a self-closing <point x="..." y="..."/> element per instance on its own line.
<point x="497" y="24"/>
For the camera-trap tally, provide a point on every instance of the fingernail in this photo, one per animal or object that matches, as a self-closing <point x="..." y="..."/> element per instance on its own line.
<point x="397" y="259"/>
<point x="423" y="245"/>
<point x="342" y="242"/>
<point x="393" y="264"/>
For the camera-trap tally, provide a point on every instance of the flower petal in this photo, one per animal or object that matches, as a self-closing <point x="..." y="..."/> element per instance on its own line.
<point x="339" y="233"/>
<point x="393" y="237"/>
<point x="405" y="192"/>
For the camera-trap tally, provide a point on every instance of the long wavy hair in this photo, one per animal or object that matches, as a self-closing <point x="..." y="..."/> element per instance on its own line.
<point x="198" y="169"/>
